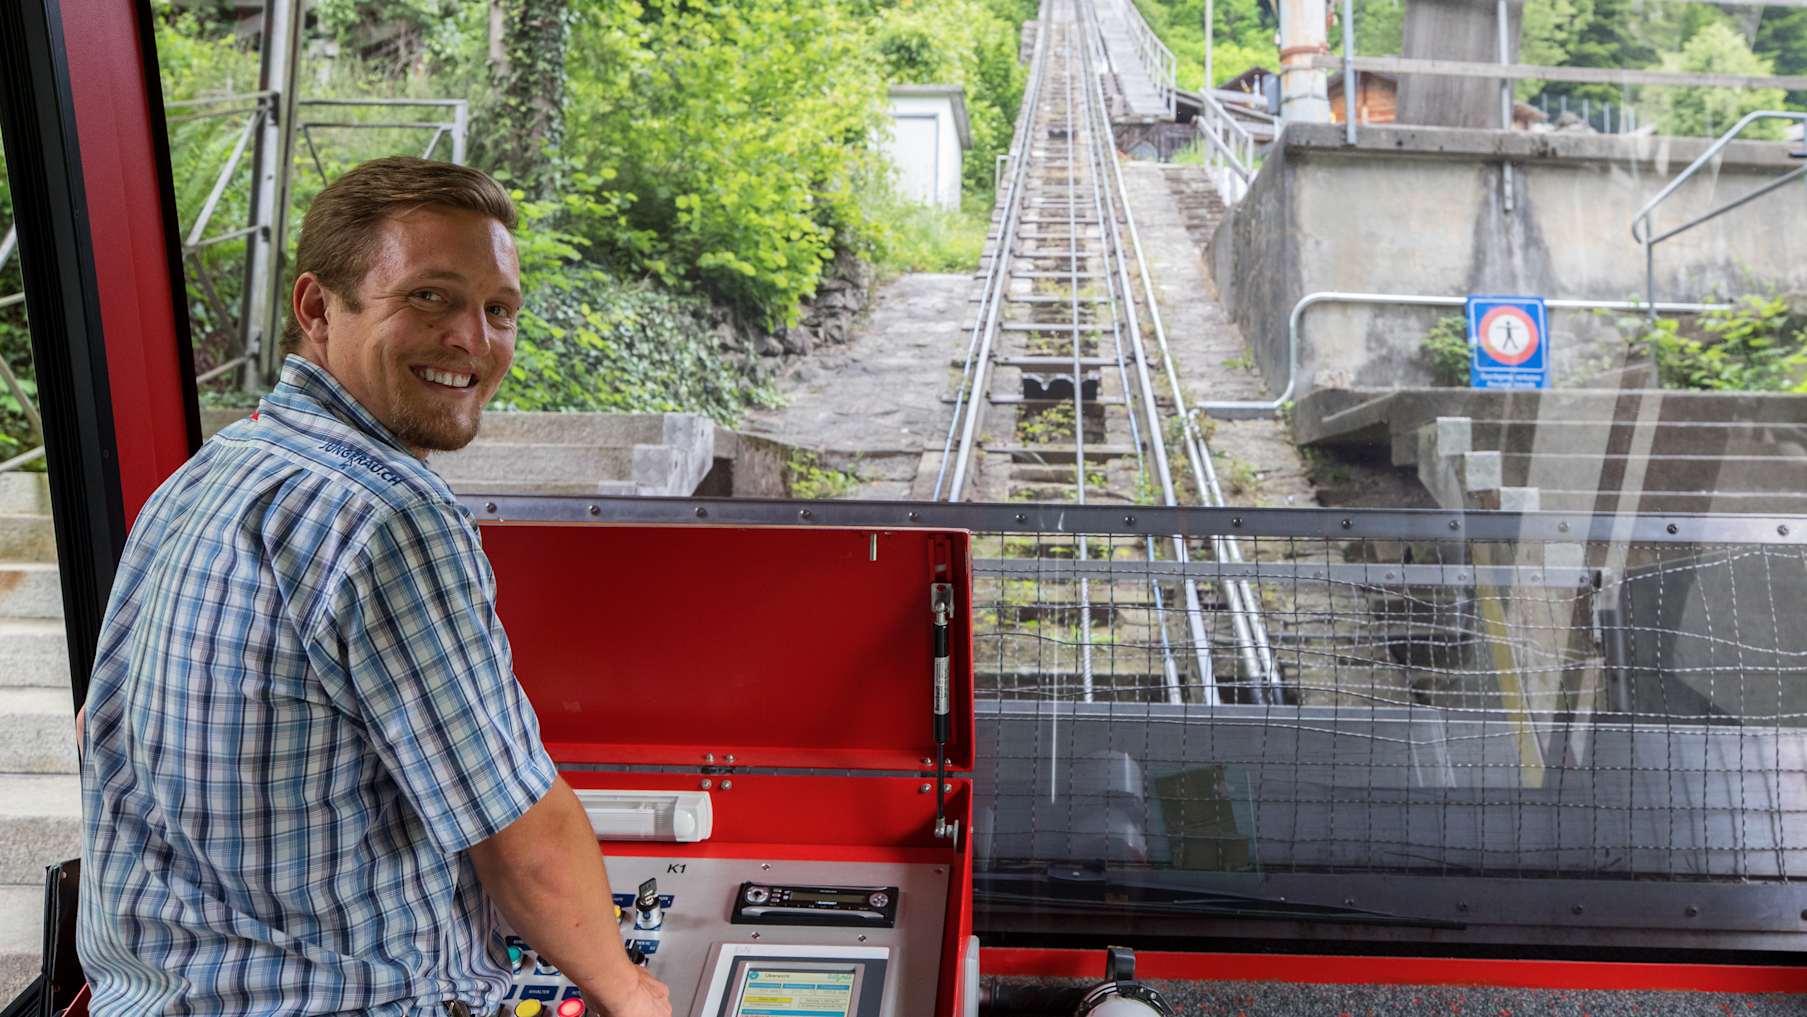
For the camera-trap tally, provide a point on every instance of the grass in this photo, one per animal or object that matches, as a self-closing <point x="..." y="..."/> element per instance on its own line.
<point x="924" y="238"/>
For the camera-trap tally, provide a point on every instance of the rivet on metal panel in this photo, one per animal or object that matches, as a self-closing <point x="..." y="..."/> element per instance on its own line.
<point x="1804" y="915"/>
<point x="701" y="512"/>
<point x="1461" y="905"/>
<point x="913" y="516"/>
<point x="804" y="514"/>
<point x="926" y="761"/>
<point x="1455" y="524"/>
<point x="1348" y="523"/>
<point x="925" y="789"/>
<point x="1672" y="529"/>
<point x="1021" y="517"/>
<point x="708" y="757"/>
<point x="1693" y="912"/>
<point x="1236" y="521"/>
<point x="1577" y="909"/>
<point x="727" y="785"/>
<point x="1129" y="520"/>
<point x="707" y="783"/>
<point x="1348" y="902"/>
<point x="765" y="866"/>
<point x="945" y="788"/>
<point x="1782" y="530"/>
<point x="938" y="872"/>
<point x="756" y="935"/>
<point x="596" y="510"/>
<point x="862" y="937"/>
<point x="489" y="506"/>
<point x="1562" y="527"/>
<point x="729" y="759"/>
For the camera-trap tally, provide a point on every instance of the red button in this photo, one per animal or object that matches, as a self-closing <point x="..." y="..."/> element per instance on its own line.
<point x="572" y="1007"/>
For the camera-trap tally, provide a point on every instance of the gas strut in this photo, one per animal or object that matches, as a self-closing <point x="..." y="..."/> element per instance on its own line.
<point x="941" y="601"/>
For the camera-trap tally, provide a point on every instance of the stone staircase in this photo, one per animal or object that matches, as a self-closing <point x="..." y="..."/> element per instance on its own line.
<point x="1580" y="450"/>
<point x="1135" y="94"/>
<point x="40" y="794"/>
<point x="580" y="454"/>
<point x="1201" y="205"/>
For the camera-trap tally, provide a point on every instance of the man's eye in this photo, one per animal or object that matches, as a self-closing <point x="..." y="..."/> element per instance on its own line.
<point x="428" y="296"/>
<point x="502" y="312"/>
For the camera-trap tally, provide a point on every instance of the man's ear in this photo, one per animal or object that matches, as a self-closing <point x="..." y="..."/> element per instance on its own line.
<point x="309" y="302"/>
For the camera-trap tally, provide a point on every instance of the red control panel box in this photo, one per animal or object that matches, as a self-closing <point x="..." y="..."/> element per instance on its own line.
<point x="793" y="675"/>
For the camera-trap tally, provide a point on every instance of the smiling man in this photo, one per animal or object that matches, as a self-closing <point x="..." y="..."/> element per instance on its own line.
<point x="309" y="776"/>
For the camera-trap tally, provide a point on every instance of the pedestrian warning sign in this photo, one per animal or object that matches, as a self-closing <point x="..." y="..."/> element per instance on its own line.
<point x="1509" y="342"/>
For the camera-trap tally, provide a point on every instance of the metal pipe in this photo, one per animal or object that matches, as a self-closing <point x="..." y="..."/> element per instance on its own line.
<point x="1775" y="184"/>
<point x="1261" y="408"/>
<point x="1210" y="44"/>
<point x="20" y="460"/>
<point x="461" y="128"/>
<point x="1643" y="214"/>
<point x="978" y="351"/>
<point x="215" y="100"/>
<point x="219" y="186"/>
<point x="1349" y="83"/>
<point x="25" y="406"/>
<point x="1503" y="26"/>
<point x="9" y="245"/>
<point x="445" y="103"/>
<point x="10" y="300"/>
<point x="1251" y="634"/>
<point x="1194" y="609"/>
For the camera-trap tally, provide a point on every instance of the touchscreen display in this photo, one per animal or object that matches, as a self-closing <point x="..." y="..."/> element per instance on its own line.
<point x="797" y="992"/>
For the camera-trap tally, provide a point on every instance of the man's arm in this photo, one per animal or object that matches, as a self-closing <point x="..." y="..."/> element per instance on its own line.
<point x="546" y="875"/>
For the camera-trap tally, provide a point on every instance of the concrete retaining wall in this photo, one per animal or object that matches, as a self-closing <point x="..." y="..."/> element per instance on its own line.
<point x="1419" y="210"/>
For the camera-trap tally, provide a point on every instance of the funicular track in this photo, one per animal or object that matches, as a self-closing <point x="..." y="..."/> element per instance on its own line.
<point x="1063" y="397"/>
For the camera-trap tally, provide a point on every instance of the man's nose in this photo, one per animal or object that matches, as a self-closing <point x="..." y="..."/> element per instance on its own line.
<point x="468" y="331"/>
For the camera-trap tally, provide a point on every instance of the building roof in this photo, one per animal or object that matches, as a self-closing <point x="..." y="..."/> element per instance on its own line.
<point x="953" y="92"/>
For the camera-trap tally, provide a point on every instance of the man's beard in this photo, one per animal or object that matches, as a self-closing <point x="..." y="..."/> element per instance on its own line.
<point x="431" y="429"/>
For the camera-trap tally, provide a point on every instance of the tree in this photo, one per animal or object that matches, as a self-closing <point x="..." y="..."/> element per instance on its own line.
<point x="526" y="123"/>
<point x="1782" y="40"/>
<point x="1701" y="110"/>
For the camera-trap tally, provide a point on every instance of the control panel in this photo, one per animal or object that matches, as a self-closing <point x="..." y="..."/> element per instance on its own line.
<point x="749" y="938"/>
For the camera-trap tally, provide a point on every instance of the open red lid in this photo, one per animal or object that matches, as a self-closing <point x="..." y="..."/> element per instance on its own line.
<point x="786" y="647"/>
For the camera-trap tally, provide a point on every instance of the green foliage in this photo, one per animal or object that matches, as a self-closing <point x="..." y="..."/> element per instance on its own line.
<point x="925" y="238"/>
<point x="1446" y="348"/>
<point x="1243" y="37"/>
<point x="806" y="477"/>
<point x="1759" y="345"/>
<point x="1048" y="427"/>
<point x="1717" y="48"/>
<point x="588" y="341"/>
<point x="15" y="346"/>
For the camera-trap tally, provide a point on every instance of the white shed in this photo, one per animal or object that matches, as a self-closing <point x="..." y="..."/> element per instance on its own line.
<point x="928" y="143"/>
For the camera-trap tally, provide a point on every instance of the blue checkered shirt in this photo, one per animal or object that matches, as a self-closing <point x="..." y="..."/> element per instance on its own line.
<point x="303" y="712"/>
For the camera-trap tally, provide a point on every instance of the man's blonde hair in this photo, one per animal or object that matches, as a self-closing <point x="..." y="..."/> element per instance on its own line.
<point x="339" y="235"/>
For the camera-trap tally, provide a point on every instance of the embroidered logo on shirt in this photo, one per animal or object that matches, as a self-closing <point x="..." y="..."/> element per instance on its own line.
<point x="357" y="457"/>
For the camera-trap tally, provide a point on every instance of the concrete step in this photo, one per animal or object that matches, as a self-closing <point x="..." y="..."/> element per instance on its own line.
<point x="30" y="590"/>
<point x="40" y="823"/>
<point x="1657" y="501"/>
<point x="33" y="653"/>
<point x="39" y="727"/>
<point x="24" y="493"/>
<point x="1620" y="437"/>
<point x="21" y="936"/>
<point x="1580" y="472"/>
<point x="27" y="538"/>
<point x="649" y="469"/>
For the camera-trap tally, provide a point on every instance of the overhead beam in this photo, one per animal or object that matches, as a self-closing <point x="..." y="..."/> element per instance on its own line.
<point x="1580" y="75"/>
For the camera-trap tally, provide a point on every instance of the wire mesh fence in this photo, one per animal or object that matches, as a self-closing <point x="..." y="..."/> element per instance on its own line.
<point x="1514" y="700"/>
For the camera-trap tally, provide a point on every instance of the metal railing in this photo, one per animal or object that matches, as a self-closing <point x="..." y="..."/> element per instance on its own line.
<point x="1523" y="713"/>
<point x="1241" y="409"/>
<point x="1155" y="58"/>
<point x="1643" y="224"/>
<point x="257" y="108"/>
<point x="1228" y="148"/>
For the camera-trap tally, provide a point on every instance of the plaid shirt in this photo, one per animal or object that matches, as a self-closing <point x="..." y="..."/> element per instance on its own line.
<point x="303" y="711"/>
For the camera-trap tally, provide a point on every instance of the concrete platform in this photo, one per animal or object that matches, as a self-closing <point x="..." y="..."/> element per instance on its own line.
<point x="30" y="590"/>
<point x="33" y="653"/>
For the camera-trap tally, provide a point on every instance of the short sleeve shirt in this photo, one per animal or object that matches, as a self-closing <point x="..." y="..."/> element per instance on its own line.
<point x="303" y="711"/>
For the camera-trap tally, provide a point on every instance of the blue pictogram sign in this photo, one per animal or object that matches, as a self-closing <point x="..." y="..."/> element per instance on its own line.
<point x="1509" y="342"/>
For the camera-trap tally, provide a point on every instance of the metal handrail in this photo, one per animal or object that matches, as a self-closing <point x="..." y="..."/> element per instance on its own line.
<point x="1152" y="53"/>
<point x="1244" y="409"/>
<point x="1230" y="149"/>
<point x="1643" y="225"/>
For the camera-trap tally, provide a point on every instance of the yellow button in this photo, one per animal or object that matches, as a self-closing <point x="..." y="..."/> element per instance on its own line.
<point x="618" y="912"/>
<point x="529" y="1008"/>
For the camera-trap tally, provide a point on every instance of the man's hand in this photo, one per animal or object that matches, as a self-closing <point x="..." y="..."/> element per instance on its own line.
<point x="545" y="873"/>
<point x="646" y="996"/>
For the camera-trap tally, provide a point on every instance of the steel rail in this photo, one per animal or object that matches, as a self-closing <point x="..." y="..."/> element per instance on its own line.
<point x="1251" y="632"/>
<point x="1091" y="33"/>
<point x="1081" y="550"/>
<point x="997" y="281"/>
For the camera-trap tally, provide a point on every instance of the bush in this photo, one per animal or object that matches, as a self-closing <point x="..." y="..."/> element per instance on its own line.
<point x="1759" y="345"/>
<point x="1446" y="348"/>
